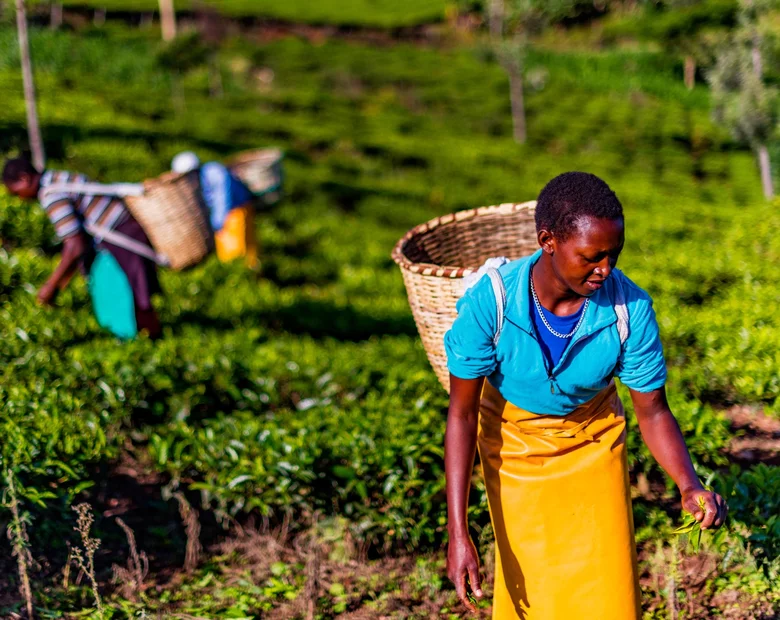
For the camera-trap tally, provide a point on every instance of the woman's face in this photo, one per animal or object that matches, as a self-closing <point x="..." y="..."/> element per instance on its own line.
<point x="583" y="260"/>
<point x="25" y="187"/>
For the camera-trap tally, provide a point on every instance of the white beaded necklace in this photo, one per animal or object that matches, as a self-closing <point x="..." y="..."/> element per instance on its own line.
<point x="544" y="319"/>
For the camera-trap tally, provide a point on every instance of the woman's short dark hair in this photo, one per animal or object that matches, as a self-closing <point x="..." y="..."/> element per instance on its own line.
<point x="15" y="168"/>
<point x="571" y="196"/>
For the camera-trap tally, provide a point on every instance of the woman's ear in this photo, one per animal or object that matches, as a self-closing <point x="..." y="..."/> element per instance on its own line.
<point x="546" y="241"/>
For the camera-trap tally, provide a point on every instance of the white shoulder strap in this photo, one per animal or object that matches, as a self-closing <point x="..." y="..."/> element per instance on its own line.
<point x="99" y="234"/>
<point x="499" y="291"/>
<point x="621" y="310"/>
<point x="120" y="190"/>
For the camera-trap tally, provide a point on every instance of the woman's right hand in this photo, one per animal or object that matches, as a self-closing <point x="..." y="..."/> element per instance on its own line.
<point x="463" y="564"/>
<point x="460" y="445"/>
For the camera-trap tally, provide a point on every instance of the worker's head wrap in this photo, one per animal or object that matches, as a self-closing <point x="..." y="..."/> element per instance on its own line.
<point x="185" y="162"/>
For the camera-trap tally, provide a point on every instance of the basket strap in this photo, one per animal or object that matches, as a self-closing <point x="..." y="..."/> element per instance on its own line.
<point x="621" y="310"/>
<point x="499" y="291"/>
<point x="120" y="190"/>
<point x="99" y="234"/>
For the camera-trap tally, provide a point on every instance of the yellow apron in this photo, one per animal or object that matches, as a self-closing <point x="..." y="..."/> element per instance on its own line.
<point x="560" y="505"/>
<point x="238" y="239"/>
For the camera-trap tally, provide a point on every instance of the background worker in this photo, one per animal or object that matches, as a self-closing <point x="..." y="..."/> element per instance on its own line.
<point x="72" y="213"/>
<point x="230" y="205"/>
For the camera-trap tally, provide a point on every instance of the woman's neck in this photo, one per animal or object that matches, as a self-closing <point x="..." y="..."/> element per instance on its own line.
<point x="552" y="292"/>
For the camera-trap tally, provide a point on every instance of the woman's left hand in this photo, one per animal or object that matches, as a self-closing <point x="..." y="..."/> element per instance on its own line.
<point x="715" y="507"/>
<point x="47" y="294"/>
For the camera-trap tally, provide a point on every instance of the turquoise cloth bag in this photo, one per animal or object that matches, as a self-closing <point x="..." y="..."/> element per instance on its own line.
<point x="112" y="296"/>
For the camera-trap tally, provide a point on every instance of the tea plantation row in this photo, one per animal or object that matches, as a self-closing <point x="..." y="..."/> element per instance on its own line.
<point x="375" y="13"/>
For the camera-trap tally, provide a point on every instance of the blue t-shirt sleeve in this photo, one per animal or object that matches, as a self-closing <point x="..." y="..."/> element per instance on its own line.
<point x="642" y="366"/>
<point x="469" y="343"/>
<point x="215" y="184"/>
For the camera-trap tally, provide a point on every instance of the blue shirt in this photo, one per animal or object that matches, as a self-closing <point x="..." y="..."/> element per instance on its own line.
<point x="552" y="346"/>
<point x="516" y="366"/>
<point x="222" y="192"/>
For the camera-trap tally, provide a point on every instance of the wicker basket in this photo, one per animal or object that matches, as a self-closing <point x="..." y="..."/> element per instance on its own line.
<point x="435" y="256"/>
<point x="172" y="213"/>
<point x="261" y="171"/>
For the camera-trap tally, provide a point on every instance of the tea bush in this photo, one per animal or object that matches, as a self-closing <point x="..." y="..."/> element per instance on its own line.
<point x="753" y="497"/>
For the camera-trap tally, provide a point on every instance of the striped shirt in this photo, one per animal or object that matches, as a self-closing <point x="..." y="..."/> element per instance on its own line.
<point x="71" y="211"/>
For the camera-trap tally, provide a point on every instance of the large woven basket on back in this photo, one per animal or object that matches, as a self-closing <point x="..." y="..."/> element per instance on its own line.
<point x="261" y="171"/>
<point x="174" y="217"/>
<point x="435" y="257"/>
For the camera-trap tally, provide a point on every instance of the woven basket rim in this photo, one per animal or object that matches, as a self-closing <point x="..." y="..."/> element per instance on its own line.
<point x="272" y="154"/>
<point x="166" y="178"/>
<point x="450" y="271"/>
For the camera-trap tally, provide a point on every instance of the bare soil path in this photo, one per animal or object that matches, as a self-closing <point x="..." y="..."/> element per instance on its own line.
<point x="756" y="436"/>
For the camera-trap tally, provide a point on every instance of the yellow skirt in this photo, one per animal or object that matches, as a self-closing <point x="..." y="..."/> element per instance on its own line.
<point x="238" y="238"/>
<point x="560" y="505"/>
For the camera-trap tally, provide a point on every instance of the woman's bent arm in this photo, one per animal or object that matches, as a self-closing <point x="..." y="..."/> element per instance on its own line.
<point x="460" y="443"/>
<point x="665" y="440"/>
<point x="73" y="249"/>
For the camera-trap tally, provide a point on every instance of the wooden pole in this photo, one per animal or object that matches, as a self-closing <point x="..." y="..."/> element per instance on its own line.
<point x="167" y="20"/>
<point x="765" y="166"/>
<point x="33" y="128"/>
<point x="764" y="162"/>
<point x="690" y="72"/>
<point x="509" y="58"/>
<point x="496" y="19"/>
<point x="56" y="15"/>
<point x="514" y="69"/>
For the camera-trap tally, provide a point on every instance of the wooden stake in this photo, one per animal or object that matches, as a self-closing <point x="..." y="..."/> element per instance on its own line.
<point x="56" y="15"/>
<point x="690" y="72"/>
<point x="764" y="163"/>
<point x="496" y="19"/>
<point x="765" y="167"/>
<point x="514" y="69"/>
<point x="33" y="128"/>
<point x="167" y="20"/>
